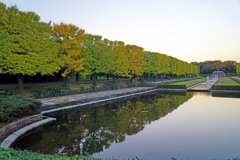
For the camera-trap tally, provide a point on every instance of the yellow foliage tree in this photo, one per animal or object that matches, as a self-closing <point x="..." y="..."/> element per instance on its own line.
<point x="136" y="60"/>
<point x="72" y="39"/>
<point x="121" y="59"/>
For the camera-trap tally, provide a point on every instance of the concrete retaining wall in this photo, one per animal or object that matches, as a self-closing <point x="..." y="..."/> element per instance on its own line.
<point x="14" y="126"/>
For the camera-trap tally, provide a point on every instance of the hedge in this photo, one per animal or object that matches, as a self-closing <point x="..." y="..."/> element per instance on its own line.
<point x="16" y="106"/>
<point x="236" y="80"/>
<point x="227" y="87"/>
<point x="173" y="86"/>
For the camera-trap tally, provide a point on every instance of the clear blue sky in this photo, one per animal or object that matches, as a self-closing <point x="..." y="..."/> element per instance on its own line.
<point x="191" y="30"/>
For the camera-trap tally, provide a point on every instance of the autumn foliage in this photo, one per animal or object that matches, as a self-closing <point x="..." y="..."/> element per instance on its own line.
<point x="29" y="47"/>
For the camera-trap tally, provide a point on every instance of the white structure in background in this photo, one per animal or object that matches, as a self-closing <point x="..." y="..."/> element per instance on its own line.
<point x="219" y="74"/>
<point x="208" y="82"/>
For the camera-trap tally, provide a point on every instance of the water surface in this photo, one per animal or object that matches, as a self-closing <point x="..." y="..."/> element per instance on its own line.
<point x="157" y="126"/>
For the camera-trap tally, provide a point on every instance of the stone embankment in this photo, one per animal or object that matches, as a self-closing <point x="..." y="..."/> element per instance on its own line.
<point x="14" y="126"/>
<point x="20" y="127"/>
<point x="55" y="102"/>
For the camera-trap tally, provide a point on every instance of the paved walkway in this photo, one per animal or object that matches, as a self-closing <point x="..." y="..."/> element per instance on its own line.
<point x="53" y="102"/>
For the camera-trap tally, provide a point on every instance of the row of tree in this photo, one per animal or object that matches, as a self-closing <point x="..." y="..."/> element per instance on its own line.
<point x="207" y="67"/>
<point x="238" y="68"/>
<point x="29" y="47"/>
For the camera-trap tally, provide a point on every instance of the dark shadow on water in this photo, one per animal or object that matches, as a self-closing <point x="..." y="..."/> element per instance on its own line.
<point x="97" y="128"/>
<point x="226" y="95"/>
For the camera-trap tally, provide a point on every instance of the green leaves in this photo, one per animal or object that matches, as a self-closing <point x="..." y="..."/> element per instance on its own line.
<point x="27" y="45"/>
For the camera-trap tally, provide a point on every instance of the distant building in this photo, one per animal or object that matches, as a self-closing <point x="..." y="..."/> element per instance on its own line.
<point x="218" y="73"/>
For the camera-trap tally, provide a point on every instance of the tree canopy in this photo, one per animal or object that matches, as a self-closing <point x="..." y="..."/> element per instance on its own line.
<point x="210" y="66"/>
<point x="238" y="68"/>
<point x="27" y="45"/>
<point x="71" y="39"/>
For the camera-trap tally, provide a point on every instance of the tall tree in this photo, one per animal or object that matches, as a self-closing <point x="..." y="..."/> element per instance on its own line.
<point x="27" y="45"/>
<point x="72" y="39"/>
<point x="238" y="69"/>
<point x="98" y="55"/>
<point x="230" y="66"/>
<point x="136" y="62"/>
<point x="121" y="60"/>
<point x="150" y="67"/>
<point x="173" y="65"/>
<point x="218" y="66"/>
<point x="163" y="64"/>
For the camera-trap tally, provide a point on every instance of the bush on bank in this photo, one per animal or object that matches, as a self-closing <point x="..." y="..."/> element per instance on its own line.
<point x="16" y="106"/>
<point x="236" y="80"/>
<point x="6" y="154"/>
<point x="225" y="87"/>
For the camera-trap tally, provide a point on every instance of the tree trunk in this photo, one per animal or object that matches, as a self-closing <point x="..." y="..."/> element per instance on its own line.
<point x="20" y="82"/>
<point x="77" y="77"/>
<point x="95" y="79"/>
<point x="46" y="78"/>
<point x="65" y="82"/>
<point x="107" y="76"/>
<point x="114" y="80"/>
<point x="131" y="79"/>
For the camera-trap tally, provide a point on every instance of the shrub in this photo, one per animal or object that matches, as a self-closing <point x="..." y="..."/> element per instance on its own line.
<point x="27" y="155"/>
<point x="173" y="86"/>
<point x="227" y="87"/>
<point x="110" y="86"/>
<point x="83" y="88"/>
<point x="53" y="92"/>
<point x="47" y="92"/>
<point x="94" y="86"/>
<point x="16" y="106"/>
<point x="131" y="84"/>
<point x="7" y="92"/>
<point x="236" y="80"/>
<point x="39" y="93"/>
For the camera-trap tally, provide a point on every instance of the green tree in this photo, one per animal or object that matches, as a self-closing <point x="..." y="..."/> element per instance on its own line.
<point x="163" y="64"/>
<point x="173" y="65"/>
<point x="121" y="59"/>
<point x="150" y="67"/>
<point x="136" y="62"/>
<point x="230" y="66"/>
<point x="99" y="56"/>
<point x="238" y="68"/>
<point x="27" y="45"/>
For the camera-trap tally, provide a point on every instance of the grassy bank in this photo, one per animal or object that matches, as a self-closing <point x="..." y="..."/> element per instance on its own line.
<point x="189" y="83"/>
<point x="6" y="154"/>
<point x="226" y="83"/>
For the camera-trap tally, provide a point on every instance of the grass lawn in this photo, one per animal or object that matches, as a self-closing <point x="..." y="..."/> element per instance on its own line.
<point x="226" y="81"/>
<point x="189" y="83"/>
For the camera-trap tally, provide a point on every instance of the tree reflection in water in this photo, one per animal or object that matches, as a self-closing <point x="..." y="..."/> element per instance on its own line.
<point x="97" y="128"/>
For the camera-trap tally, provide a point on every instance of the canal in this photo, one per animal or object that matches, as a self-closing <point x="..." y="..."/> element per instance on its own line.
<point x="157" y="126"/>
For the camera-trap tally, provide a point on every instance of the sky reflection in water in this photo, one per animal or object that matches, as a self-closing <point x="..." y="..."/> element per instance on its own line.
<point x="195" y="126"/>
